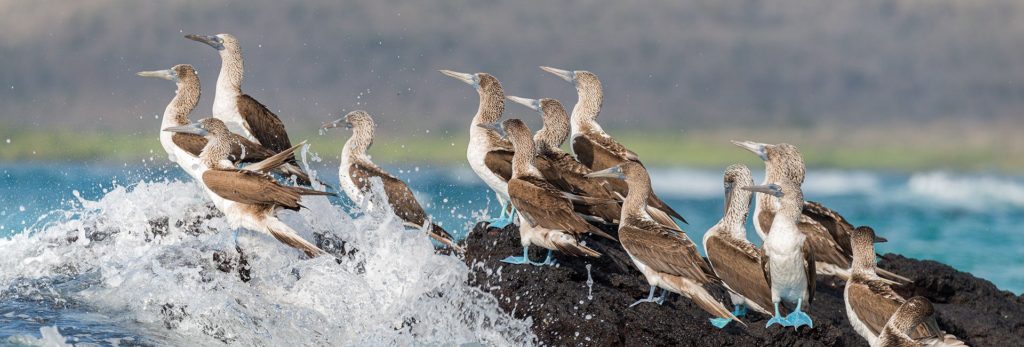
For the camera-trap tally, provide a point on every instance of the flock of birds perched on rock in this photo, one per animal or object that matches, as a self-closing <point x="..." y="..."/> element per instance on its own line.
<point x="557" y="198"/>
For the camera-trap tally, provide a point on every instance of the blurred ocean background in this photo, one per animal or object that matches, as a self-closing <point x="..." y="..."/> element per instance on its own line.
<point x="908" y="114"/>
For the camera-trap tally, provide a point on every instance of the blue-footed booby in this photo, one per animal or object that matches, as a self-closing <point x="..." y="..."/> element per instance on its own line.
<point x="356" y="169"/>
<point x="871" y="303"/>
<point x="591" y="145"/>
<point x="546" y="216"/>
<point x="825" y="229"/>
<point x="240" y="112"/>
<point x="787" y="259"/>
<point x="548" y="140"/>
<point x="249" y="197"/>
<point x="667" y="258"/>
<point x="489" y="155"/>
<point x="733" y="258"/>
<point x="898" y="329"/>
<point x="183" y="148"/>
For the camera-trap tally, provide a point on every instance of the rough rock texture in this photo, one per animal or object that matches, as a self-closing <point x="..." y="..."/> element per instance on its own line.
<point x="567" y="311"/>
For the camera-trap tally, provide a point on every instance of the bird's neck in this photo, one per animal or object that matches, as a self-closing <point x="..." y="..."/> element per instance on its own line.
<point x="635" y="204"/>
<point x="736" y="215"/>
<point x="359" y="143"/>
<point x="864" y="259"/>
<point x="492" y="104"/>
<point x="229" y="81"/>
<point x="584" y="114"/>
<point x="186" y="97"/>
<point x="215" y="153"/>
<point x="523" y="162"/>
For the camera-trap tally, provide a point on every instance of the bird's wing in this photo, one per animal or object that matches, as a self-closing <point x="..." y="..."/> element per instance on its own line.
<point x="614" y="147"/>
<point x="249" y="187"/>
<point x="401" y="198"/>
<point x="832" y="221"/>
<point x="874" y="302"/>
<point x="499" y="161"/>
<point x="764" y="219"/>
<point x="665" y="250"/>
<point x="825" y="248"/>
<point x="264" y="125"/>
<point x="766" y="267"/>
<point x="738" y="264"/>
<point x="245" y="151"/>
<point x="544" y="205"/>
<point x="810" y="270"/>
<point x="592" y="154"/>
<point x="191" y="143"/>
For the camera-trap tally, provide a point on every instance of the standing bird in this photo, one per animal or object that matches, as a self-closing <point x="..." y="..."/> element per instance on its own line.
<point x="591" y="145"/>
<point x="356" y="170"/>
<point x="733" y="258"/>
<point x="788" y="259"/>
<point x="828" y="231"/>
<point x="897" y="331"/>
<point x="490" y="155"/>
<point x="668" y="259"/>
<point x="546" y="215"/>
<point x="183" y="148"/>
<point x="248" y="197"/>
<point x="871" y="303"/>
<point x="548" y="140"/>
<point x="240" y="112"/>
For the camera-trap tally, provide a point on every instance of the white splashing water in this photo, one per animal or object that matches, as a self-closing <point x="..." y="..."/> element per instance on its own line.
<point x="163" y="282"/>
<point x="49" y="336"/>
<point x="967" y="192"/>
<point x="590" y="284"/>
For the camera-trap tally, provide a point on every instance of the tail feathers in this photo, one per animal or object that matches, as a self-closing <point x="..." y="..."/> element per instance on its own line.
<point x="597" y="231"/>
<point x="286" y="235"/>
<point x="586" y="199"/>
<point x="275" y="160"/>
<point x="288" y="169"/>
<point x="662" y="218"/>
<point x="442" y="236"/>
<point x="701" y="297"/>
<point x="892" y="277"/>
<point x="661" y="205"/>
<point x="947" y="340"/>
<point x="568" y="244"/>
<point x="307" y="191"/>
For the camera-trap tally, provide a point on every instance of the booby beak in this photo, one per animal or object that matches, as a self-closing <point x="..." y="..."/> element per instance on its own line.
<point x="531" y="103"/>
<point x="754" y="147"/>
<point x="467" y="78"/>
<point x="337" y="123"/>
<point x="612" y="172"/>
<point x="211" y="40"/>
<point x="194" y="128"/>
<point x="161" y="74"/>
<point x="730" y="188"/>
<point x="566" y="75"/>
<point x="494" y="127"/>
<point x="770" y="189"/>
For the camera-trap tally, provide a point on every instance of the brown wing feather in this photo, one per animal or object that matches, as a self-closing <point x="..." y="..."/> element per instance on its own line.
<point x="189" y="142"/>
<point x="738" y="264"/>
<point x="264" y="125"/>
<point x="766" y="267"/>
<point x="592" y="154"/>
<point x="401" y="198"/>
<point x="500" y="163"/>
<point x="833" y="222"/>
<point x="664" y="250"/>
<point x="250" y="187"/>
<point x="825" y="248"/>
<point x="875" y="304"/>
<point x="245" y="151"/>
<point x="573" y="173"/>
<point x="544" y="205"/>
<point x="764" y="219"/>
<point x="810" y="270"/>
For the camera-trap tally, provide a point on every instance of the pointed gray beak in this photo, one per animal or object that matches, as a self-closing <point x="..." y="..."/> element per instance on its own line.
<point x="533" y="104"/>
<point x="466" y="78"/>
<point x="161" y="74"/>
<point x="754" y="147"/>
<point x="770" y="189"/>
<point x="213" y="41"/>
<point x="494" y="127"/>
<point x="730" y="188"/>
<point x="612" y="172"/>
<point x="194" y="128"/>
<point x="337" y="123"/>
<point x="566" y="75"/>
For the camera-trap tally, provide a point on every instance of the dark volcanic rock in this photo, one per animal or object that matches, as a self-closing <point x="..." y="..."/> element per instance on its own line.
<point x="566" y="311"/>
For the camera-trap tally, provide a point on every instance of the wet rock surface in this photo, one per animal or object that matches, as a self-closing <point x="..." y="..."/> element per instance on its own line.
<point x="566" y="310"/>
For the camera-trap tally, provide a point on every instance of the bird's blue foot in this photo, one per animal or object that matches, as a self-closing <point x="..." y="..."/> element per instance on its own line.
<point x="503" y="220"/>
<point x="549" y="260"/>
<point x="525" y="259"/>
<point x="739" y="310"/>
<point x="650" y="298"/>
<point x="720" y="322"/>
<point x="777" y="318"/>
<point x="661" y="299"/>
<point x="798" y="317"/>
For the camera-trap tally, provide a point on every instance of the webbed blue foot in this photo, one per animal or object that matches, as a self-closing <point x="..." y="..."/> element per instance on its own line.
<point x="661" y="299"/>
<point x="525" y="259"/>
<point x="549" y="261"/>
<point x="777" y="318"/>
<point x="650" y="298"/>
<point x="502" y="221"/>
<point x="739" y="310"/>
<point x="720" y="322"/>
<point x="798" y="317"/>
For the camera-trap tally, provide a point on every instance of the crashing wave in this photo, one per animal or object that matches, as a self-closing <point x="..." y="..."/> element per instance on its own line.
<point x="158" y="260"/>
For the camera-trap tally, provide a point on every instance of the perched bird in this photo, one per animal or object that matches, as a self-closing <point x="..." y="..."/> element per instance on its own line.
<point x="591" y="145"/>
<point x="490" y="155"/>
<point x="897" y="330"/>
<point x="871" y="303"/>
<point x="248" y="197"/>
<point x="733" y="258"/>
<point x="788" y="259"/>
<point x="240" y="112"/>
<point x="548" y="140"/>
<point x="825" y="229"/>
<point x="356" y="170"/>
<point x="668" y="259"/>
<point x="545" y="213"/>
<point x="183" y="148"/>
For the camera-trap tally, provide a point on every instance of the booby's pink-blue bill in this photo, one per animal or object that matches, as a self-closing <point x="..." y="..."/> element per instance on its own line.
<point x="568" y="76"/>
<point x="494" y="127"/>
<point x="212" y="40"/>
<point x="770" y="189"/>
<point x="754" y="147"/>
<point x="533" y="104"/>
<point x="161" y="74"/>
<point x="612" y="172"/>
<point x="194" y="128"/>
<point x="467" y="78"/>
